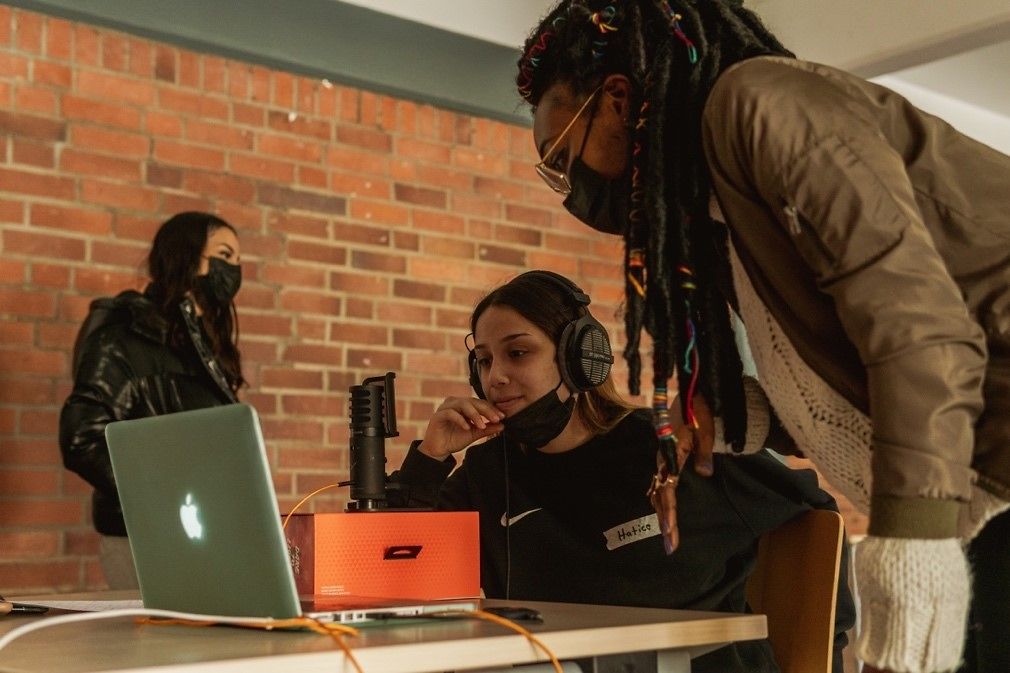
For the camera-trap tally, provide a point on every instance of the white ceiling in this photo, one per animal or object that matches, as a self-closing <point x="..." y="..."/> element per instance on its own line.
<point x="980" y="77"/>
<point x="506" y="23"/>
<point x="969" y="90"/>
<point x="950" y="57"/>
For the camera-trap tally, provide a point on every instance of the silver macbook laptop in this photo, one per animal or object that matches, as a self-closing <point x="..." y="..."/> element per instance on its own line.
<point x="204" y="526"/>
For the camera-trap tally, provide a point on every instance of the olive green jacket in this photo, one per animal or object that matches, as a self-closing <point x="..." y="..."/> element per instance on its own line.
<point x="879" y="238"/>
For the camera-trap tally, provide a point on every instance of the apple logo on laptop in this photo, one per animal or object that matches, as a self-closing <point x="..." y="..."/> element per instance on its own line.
<point x="189" y="514"/>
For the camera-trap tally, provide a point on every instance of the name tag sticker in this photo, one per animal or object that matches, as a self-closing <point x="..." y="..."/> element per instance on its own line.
<point x="632" y="531"/>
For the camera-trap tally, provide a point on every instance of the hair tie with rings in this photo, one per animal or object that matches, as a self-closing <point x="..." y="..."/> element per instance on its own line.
<point x="661" y="480"/>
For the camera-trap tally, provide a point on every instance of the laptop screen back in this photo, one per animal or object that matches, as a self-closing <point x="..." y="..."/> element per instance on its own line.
<point x="201" y="513"/>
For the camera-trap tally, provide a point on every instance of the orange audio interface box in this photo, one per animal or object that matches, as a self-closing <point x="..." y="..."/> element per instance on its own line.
<point x="429" y="555"/>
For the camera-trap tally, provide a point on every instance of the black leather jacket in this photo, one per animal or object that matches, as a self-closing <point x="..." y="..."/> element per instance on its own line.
<point x="124" y="369"/>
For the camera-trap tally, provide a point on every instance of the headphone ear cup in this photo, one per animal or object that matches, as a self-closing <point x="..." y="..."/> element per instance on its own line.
<point x="595" y="355"/>
<point x="471" y="365"/>
<point x="584" y="354"/>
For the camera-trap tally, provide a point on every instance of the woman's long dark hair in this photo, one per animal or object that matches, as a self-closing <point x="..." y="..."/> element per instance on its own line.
<point x="173" y="264"/>
<point x="672" y="52"/>
<point x="545" y="304"/>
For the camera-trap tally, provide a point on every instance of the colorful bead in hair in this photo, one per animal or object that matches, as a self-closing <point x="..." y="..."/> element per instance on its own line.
<point x="601" y="20"/>
<point x="599" y="48"/>
<point x="674" y="19"/>
<point x="691" y="359"/>
<point x="637" y="275"/>
<point x="664" y="429"/>
<point x="532" y="58"/>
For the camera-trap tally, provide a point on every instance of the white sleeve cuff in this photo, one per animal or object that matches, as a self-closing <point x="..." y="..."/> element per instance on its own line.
<point x="758" y="421"/>
<point x="913" y="597"/>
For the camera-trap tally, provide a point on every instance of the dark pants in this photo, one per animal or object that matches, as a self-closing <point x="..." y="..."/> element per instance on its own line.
<point x="987" y="644"/>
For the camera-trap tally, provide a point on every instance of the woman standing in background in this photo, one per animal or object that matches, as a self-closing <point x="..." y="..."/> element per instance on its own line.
<point x="173" y="347"/>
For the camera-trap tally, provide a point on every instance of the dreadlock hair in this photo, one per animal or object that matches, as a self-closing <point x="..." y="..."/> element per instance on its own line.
<point x="675" y="254"/>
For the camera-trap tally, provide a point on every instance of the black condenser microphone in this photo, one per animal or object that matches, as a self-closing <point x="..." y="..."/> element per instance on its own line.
<point x="373" y="418"/>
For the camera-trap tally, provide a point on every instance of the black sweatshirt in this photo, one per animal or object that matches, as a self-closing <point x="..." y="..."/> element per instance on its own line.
<point x="582" y="529"/>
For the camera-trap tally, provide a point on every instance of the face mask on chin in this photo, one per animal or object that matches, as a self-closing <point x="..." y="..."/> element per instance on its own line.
<point x="222" y="281"/>
<point x="541" y="421"/>
<point x="596" y="201"/>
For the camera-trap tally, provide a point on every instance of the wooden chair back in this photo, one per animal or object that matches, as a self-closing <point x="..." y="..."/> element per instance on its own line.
<point x="795" y="585"/>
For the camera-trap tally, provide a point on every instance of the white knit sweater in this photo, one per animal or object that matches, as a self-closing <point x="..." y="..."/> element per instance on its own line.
<point x="913" y="593"/>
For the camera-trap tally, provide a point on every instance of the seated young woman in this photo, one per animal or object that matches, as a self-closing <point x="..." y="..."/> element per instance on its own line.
<point x="562" y="477"/>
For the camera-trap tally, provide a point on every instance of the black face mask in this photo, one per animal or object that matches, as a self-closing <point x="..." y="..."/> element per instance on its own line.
<point x="541" y="421"/>
<point x="222" y="281"/>
<point x="597" y="201"/>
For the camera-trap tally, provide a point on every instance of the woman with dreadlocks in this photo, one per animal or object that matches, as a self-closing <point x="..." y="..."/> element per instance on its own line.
<point x="865" y="246"/>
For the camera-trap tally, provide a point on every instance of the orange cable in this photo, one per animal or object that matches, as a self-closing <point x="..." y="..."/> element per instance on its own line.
<point x="501" y="621"/>
<point x="302" y="502"/>
<point x="337" y="631"/>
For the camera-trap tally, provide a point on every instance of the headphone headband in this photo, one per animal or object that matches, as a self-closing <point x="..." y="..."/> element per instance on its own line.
<point x="567" y="287"/>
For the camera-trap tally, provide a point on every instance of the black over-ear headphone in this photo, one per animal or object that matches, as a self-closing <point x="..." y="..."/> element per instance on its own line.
<point x="584" y="354"/>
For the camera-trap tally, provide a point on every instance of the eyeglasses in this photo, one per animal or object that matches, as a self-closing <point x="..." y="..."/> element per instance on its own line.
<point x="555" y="179"/>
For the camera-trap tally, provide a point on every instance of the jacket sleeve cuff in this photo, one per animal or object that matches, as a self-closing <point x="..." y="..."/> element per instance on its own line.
<point x="920" y="518"/>
<point x="418" y="468"/>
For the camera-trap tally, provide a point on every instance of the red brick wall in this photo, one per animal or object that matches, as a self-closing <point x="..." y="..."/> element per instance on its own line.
<point x="369" y="227"/>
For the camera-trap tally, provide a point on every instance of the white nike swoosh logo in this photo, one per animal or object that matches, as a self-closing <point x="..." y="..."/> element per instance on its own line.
<point x="506" y="522"/>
